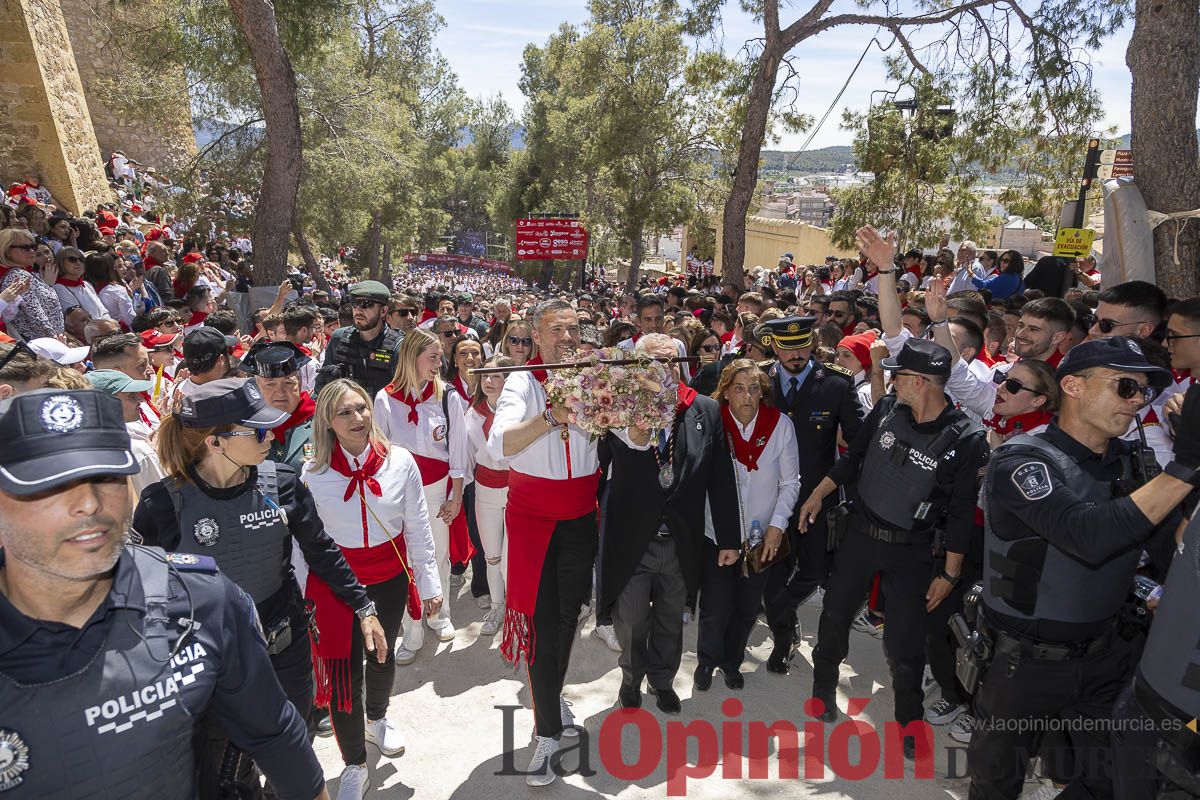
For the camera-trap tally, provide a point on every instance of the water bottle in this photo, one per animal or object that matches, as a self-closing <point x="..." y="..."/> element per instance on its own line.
<point x="756" y="534"/>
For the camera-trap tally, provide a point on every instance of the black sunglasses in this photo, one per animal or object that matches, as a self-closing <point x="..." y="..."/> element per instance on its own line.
<point x="76" y="259"/>
<point x="29" y="247"/>
<point x="1108" y="325"/>
<point x="710" y="348"/>
<point x="259" y="434"/>
<point x="1128" y="388"/>
<point x="403" y="312"/>
<point x="523" y="341"/>
<point x="1012" y="386"/>
<point x="449" y="334"/>
<point x="365" y="304"/>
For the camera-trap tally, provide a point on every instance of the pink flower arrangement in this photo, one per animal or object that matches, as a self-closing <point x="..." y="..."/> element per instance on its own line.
<point x="601" y="397"/>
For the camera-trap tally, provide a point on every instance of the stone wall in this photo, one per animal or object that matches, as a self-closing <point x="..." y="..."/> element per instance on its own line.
<point x="768" y="239"/>
<point x="45" y="126"/>
<point x="163" y="140"/>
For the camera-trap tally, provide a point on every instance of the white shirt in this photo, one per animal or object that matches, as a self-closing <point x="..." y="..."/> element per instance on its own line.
<point x="480" y="454"/>
<point x="862" y="386"/>
<point x="117" y="302"/>
<point x="150" y="471"/>
<point x="523" y="399"/>
<point x="401" y="508"/>
<point x="974" y="392"/>
<point x="428" y="437"/>
<point x="961" y="281"/>
<point x="769" y="493"/>
<point x="84" y="296"/>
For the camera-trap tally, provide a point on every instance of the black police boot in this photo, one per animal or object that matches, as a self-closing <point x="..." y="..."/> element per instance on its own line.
<point x="733" y="679"/>
<point x="780" y="661"/>
<point x="702" y="678"/>
<point x="630" y="697"/>
<point x="667" y="701"/>
<point x="828" y="698"/>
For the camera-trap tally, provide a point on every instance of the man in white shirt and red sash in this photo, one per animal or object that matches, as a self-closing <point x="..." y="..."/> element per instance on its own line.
<point x="551" y="525"/>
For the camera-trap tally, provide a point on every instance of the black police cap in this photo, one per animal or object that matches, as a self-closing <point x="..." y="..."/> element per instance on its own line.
<point x="228" y="401"/>
<point x="204" y="345"/>
<point x="1115" y="352"/>
<point x="274" y="359"/>
<point x="786" y="333"/>
<point x="923" y="356"/>
<point x="53" y="437"/>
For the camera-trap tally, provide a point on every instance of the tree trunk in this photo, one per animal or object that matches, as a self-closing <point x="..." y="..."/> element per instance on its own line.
<point x="281" y="115"/>
<point x="373" y="246"/>
<point x="386" y="272"/>
<point x="636" y="251"/>
<point x="310" y="261"/>
<point x="745" y="177"/>
<point x="1164" y="61"/>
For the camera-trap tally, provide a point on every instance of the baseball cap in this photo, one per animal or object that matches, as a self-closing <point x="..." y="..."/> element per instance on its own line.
<point x="922" y="356"/>
<point x="204" y="345"/>
<point x="228" y="401"/>
<point x="114" y="381"/>
<point x="58" y="352"/>
<point x="154" y="339"/>
<point x="54" y="436"/>
<point x="1114" y="352"/>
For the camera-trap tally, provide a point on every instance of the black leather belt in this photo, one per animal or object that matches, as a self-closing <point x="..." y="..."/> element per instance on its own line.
<point x="894" y="535"/>
<point x="1025" y="647"/>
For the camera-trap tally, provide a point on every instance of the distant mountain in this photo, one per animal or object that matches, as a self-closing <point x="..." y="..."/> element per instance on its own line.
<point x="516" y="141"/>
<point x="1125" y="140"/>
<point x="826" y="159"/>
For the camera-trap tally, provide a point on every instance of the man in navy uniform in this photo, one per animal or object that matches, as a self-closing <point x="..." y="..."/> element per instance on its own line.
<point x="819" y="399"/>
<point x="276" y="369"/>
<point x="109" y="652"/>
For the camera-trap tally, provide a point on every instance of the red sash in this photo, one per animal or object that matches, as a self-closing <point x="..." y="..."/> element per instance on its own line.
<point x="491" y="478"/>
<point x="535" y="507"/>
<point x="434" y="470"/>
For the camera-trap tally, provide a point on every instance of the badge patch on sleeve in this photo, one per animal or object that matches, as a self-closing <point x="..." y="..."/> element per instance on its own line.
<point x="1033" y="480"/>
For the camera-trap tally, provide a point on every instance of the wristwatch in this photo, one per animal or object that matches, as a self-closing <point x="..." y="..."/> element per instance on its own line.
<point x="886" y="271"/>
<point x="1185" y="474"/>
<point x="953" y="580"/>
<point x="367" y="611"/>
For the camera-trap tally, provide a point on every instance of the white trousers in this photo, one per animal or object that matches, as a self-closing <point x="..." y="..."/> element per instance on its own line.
<point x="489" y="516"/>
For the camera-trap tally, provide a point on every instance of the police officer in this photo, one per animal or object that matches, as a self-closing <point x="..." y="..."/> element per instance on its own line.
<point x="222" y="499"/>
<point x="366" y="352"/>
<point x="1066" y="517"/>
<point x="915" y="464"/>
<point x="109" y="652"/>
<point x="276" y="369"/>
<point x="819" y="399"/>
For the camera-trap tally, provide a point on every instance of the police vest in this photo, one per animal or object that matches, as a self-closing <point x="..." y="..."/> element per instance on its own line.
<point x="294" y="448"/>
<point x="899" y="471"/>
<point x="1028" y="578"/>
<point x="1170" y="664"/>
<point x="122" y="726"/>
<point x="372" y="367"/>
<point x="248" y="535"/>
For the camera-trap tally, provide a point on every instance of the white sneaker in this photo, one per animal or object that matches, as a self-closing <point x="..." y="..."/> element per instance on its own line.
<point x="584" y="611"/>
<point x="962" y="728"/>
<point x="568" y="719"/>
<point x="540" y="771"/>
<point x="817" y="598"/>
<point x="446" y="632"/>
<point x="606" y="634"/>
<point x="943" y="712"/>
<point x="354" y="783"/>
<point x="927" y="680"/>
<point x="1044" y="793"/>
<point x="386" y="737"/>
<point x="411" y="644"/>
<point x="492" y="622"/>
<point x="484" y="602"/>
<point x="457" y="581"/>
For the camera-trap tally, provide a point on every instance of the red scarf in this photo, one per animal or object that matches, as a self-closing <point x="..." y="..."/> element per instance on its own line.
<point x="76" y="282"/>
<point x="301" y="415"/>
<point x="1055" y="359"/>
<point x="1028" y="421"/>
<point x="540" y="374"/>
<point x="461" y="387"/>
<point x="745" y="451"/>
<point x="197" y="318"/>
<point x="535" y="507"/>
<point x="371" y="565"/>
<point x="485" y="410"/>
<point x="412" y="402"/>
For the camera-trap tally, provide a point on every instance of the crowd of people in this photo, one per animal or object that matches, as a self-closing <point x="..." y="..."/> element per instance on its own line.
<point x="921" y="446"/>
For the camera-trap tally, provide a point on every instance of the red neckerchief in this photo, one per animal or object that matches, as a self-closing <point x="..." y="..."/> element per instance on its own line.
<point x="305" y="350"/>
<point x="364" y="476"/>
<point x="849" y="329"/>
<point x="461" y="387"/>
<point x="69" y="281"/>
<point x="1028" y="421"/>
<point x="197" y="318"/>
<point x="485" y="410"/>
<point x="301" y="415"/>
<point x="687" y="395"/>
<point x="409" y="400"/>
<point x="1055" y="359"/>
<point x="745" y="451"/>
<point x="540" y="374"/>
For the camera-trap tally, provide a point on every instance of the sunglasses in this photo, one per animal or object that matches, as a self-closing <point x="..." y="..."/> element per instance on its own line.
<point x="1108" y="325"/>
<point x="449" y="334"/>
<point x="365" y="304"/>
<point x="1012" y="385"/>
<point x="710" y="348"/>
<point x="1128" y="388"/>
<point x="403" y="312"/>
<point x="520" y="341"/>
<point x="259" y="434"/>
<point x="76" y="259"/>
<point x="28" y="247"/>
<point x="1170" y="337"/>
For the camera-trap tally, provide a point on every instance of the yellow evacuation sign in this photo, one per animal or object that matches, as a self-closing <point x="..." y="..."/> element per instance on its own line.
<point x="1073" y="242"/>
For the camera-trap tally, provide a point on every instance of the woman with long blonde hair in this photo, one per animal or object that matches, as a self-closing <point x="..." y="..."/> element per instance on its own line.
<point x="517" y="342"/>
<point x="417" y="412"/>
<point x="372" y="502"/>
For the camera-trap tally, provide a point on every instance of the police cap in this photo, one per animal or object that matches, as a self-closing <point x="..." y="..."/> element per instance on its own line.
<point x="274" y="359"/>
<point x="1115" y="352"/>
<point x="922" y="356"/>
<point x="203" y="346"/>
<point x="787" y="333"/>
<point x="229" y="401"/>
<point x="54" y="436"/>
<point x="370" y="290"/>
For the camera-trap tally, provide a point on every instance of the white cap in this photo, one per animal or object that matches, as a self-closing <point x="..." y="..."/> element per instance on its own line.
<point x="58" y="352"/>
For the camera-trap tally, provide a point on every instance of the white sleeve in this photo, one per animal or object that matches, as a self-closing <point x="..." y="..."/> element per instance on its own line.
<point x="623" y="435"/>
<point x="460" y="448"/>
<point x="895" y="343"/>
<point x="789" y="476"/>
<point x="418" y="536"/>
<point x="973" y="394"/>
<point x="510" y="411"/>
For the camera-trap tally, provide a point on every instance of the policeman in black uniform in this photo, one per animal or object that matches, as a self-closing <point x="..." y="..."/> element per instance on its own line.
<point x="819" y="399"/>
<point x="247" y="524"/>
<point x="1066" y="520"/>
<point x="276" y="369"/>
<point x="368" y="351"/>
<point x="109" y="652"/>
<point x="915" y="464"/>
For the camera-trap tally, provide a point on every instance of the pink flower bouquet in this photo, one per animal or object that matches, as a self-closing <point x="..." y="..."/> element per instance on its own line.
<point x="601" y="397"/>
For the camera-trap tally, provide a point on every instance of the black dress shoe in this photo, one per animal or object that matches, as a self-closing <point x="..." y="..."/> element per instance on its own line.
<point x="630" y="697"/>
<point x="780" y="661"/>
<point x="666" y="700"/>
<point x="733" y="679"/>
<point x="702" y="678"/>
<point x="830" y="712"/>
<point x="910" y="748"/>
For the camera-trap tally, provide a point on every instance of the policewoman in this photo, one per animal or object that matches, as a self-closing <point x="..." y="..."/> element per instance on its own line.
<point x="367" y="351"/>
<point x="108" y="652"/>
<point x="277" y="368"/>
<point x="818" y="399"/>
<point x="1067" y="515"/>
<point x="223" y="499"/>
<point x="914" y="464"/>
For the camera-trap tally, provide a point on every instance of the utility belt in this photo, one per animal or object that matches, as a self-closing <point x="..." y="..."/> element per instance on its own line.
<point x="1172" y="724"/>
<point x="1017" y="647"/>
<point x="887" y="535"/>
<point x="290" y="616"/>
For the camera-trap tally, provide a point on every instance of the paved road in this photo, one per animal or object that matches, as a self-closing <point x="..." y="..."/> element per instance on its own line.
<point x="445" y="704"/>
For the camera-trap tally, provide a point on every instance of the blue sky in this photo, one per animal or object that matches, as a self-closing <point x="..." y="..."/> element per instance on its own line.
<point x="483" y="41"/>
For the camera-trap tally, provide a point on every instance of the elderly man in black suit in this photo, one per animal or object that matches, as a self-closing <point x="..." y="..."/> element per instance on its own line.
<point x="660" y="484"/>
